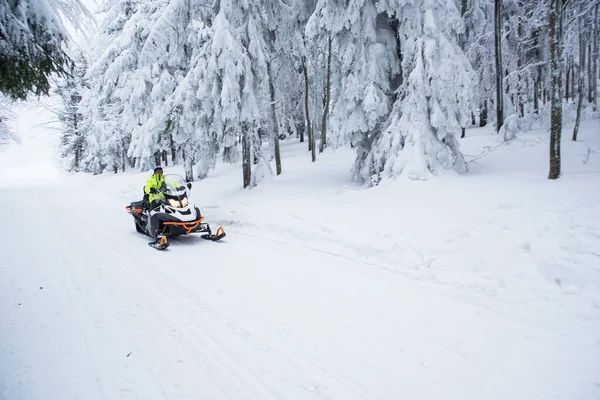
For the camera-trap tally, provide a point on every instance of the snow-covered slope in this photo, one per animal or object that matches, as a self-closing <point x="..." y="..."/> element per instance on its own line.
<point x="481" y="286"/>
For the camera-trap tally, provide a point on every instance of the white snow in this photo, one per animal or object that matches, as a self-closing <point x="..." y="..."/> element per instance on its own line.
<point x="477" y="286"/>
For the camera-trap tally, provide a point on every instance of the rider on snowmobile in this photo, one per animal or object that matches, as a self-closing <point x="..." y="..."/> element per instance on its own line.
<point x="154" y="187"/>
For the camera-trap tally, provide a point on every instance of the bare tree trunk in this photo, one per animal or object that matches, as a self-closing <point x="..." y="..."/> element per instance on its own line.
<point x="499" y="72"/>
<point x="591" y="75"/>
<point x="327" y="99"/>
<point x="308" y="127"/>
<point x="544" y="94"/>
<point x="313" y="145"/>
<point x="165" y="158"/>
<point x="573" y="84"/>
<point x="275" y="121"/>
<point x="554" y="20"/>
<point x="172" y="144"/>
<point x="569" y="67"/>
<point x="78" y="142"/>
<point x="521" y="84"/>
<point x="246" y="159"/>
<point x="311" y="141"/>
<point x="464" y="37"/>
<point x="536" y="96"/>
<point x="301" y="131"/>
<point x="595" y="59"/>
<point x="77" y="161"/>
<point x="580" y="81"/>
<point x="483" y="114"/>
<point x="306" y="96"/>
<point x="188" y="163"/>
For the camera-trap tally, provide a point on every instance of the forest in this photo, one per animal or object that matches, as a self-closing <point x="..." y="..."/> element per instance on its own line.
<point x="194" y="83"/>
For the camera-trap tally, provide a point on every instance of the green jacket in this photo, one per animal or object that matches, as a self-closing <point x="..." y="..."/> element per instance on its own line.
<point x="156" y="181"/>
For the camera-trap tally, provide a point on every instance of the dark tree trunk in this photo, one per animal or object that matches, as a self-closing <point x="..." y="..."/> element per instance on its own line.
<point x="77" y="160"/>
<point x="595" y="58"/>
<point x="499" y="72"/>
<point x="172" y="144"/>
<point x="463" y="10"/>
<point x="554" y="20"/>
<point x="246" y="157"/>
<point x="579" y="83"/>
<point x="536" y="97"/>
<point x="313" y="145"/>
<point x="78" y="142"/>
<point x="522" y="83"/>
<point x="591" y="75"/>
<point x="573" y="80"/>
<point x="301" y="132"/>
<point x="569" y="67"/>
<point x="275" y="121"/>
<point x="311" y="140"/>
<point x="327" y="99"/>
<point x="483" y="115"/>
<point x="544" y="94"/>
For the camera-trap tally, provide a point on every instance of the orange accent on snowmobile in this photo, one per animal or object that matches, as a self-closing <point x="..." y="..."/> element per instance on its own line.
<point x="137" y="211"/>
<point x="163" y="241"/>
<point x="220" y="231"/>
<point x="188" y="226"/>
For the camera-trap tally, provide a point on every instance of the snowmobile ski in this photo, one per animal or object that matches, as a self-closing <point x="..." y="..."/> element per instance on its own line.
<point x="161" y="243"/>
<point x="217" y="236"/>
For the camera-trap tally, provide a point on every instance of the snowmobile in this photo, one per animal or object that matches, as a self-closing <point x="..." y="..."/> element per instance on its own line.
<point x="172" y="216"/>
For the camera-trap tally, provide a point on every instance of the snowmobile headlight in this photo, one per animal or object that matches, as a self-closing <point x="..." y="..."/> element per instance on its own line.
<point x="184" y="202"/>
<point x="174" y="203"/>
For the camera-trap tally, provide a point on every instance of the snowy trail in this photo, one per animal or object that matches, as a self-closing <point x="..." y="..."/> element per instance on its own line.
<point x="75" y="240"/>
<point x="100" y="315"/>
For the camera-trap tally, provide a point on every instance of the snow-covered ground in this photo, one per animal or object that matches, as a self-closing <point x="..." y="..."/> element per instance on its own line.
<point x="481" y="286"/>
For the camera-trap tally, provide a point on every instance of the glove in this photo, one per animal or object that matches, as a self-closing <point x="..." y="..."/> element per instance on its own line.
<point x="153" y="191"/>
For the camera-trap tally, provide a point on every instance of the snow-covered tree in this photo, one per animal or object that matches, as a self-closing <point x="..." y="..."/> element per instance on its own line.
<point x="478" y="45"/>
<point x="6" y="116"/>
<point x="162" y="62"/>
<point x="32" y="38"/>
<point x="237" y="74"/>
<point x="212" y="80"/>
<point x="367" y="71"/>
<point x="419" y="136"/>
<point x="190" y="108"/>
<point x="102" y="105"/>
<point x="73" y="139"/>
<point x="290" y="46"/>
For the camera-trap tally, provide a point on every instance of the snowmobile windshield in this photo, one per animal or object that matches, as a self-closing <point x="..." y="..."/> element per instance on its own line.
<point x="175" y="191"/>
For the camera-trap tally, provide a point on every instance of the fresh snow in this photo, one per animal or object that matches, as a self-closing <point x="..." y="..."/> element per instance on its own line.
<point x="477" y="286"/>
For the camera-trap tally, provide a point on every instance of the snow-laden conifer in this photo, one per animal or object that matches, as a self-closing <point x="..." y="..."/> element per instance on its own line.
<point x="419" y="137"/>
